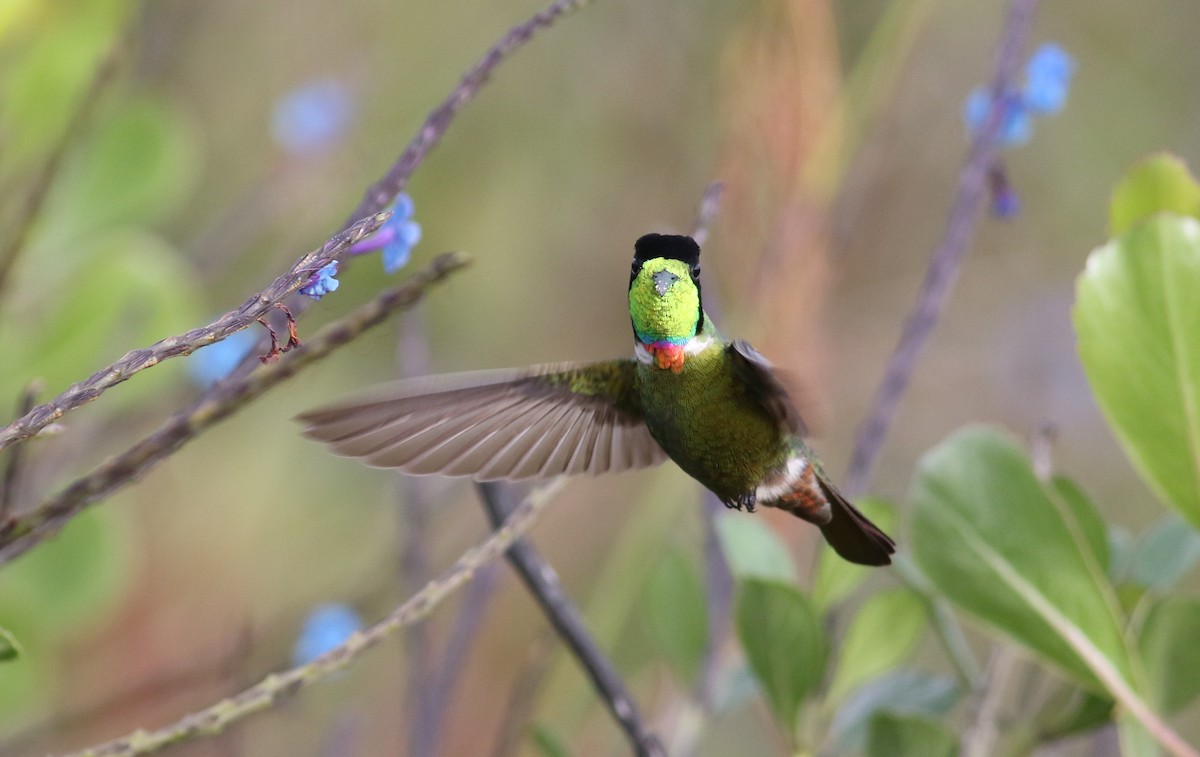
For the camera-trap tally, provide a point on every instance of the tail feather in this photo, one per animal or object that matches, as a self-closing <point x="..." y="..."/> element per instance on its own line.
<point x="851" y="534"/>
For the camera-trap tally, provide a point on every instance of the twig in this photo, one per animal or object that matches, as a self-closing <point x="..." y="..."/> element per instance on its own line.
<point x="35" y="197"/>
<point x="947" y="258"/>
<point x="20" y="533"/>
<point x="12" y="469"/>
<point x="980" y="738"/>
<point x="541" y="580"/>
<point x="710" y="203"/>
<point x="520" y="701"/>
<point x="280" y="686"/>
<point x="185" y="344"/>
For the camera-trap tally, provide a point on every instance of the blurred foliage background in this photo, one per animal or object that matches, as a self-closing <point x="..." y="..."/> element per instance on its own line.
<point x="837" y="128"/>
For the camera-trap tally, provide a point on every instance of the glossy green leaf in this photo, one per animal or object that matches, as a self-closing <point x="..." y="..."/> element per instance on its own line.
<point x="10" y="649"/>
<point x="836" y="578"/>
<point x="892" y="735"/>
<point x="1136" y="315"/>
<point x="1160" y="183"/>
<point x="882" y="634"/>
<point x="993" y="541"/>
<point x="1165" y="554"/>
<point x="784" y="643"/>
<point x="1170" y="644"/>
<point x="903" y="692"/>
<point x="752" y="549"/>
<point x="678" y="614"/>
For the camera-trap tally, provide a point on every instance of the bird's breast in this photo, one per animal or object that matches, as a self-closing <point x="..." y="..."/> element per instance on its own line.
<point x="706" y="421"/>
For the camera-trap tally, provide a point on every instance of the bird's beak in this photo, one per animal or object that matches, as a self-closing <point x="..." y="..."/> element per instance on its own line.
<point x="663" y="281"/>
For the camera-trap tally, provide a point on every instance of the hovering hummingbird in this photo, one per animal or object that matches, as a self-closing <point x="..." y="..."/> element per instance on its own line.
<point x="714" y="407"/>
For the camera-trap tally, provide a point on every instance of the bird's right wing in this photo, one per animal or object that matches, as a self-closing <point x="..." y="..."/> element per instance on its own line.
<point x="531" y="423"/>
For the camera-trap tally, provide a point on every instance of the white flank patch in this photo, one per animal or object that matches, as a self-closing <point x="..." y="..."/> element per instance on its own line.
<point x="641" y="353"/>
<point x="782" y="483"/>
<point x="696" y="345"/>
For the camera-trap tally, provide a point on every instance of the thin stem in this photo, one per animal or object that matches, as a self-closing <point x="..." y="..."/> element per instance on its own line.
<point x="947" y="257"/>
<point x="35" y="197"/>
<point x="22" y="532"/>
<point x="257" y="306"/>
<point x="542" y="582"/>
<point x="278" y="687"/>
<point x="12" y="469"/>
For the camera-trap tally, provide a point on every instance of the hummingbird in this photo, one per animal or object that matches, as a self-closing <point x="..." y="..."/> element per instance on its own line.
<point x="716" y="408"/>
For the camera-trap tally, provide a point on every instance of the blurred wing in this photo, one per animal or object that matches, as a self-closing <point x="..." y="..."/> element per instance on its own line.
<point x="531" y="423"/>
<point x="758" y="376"/>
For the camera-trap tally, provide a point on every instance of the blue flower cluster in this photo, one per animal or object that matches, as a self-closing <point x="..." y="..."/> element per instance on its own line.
<point x="216" y="361"/>
<point x="1044" y="93"/>
<point x="396" y="238"/>
<point x="326" y="628"/>
<point x="322" y="282"/>
<point x="312" y="117"/>
<point x="1047" y="83"/>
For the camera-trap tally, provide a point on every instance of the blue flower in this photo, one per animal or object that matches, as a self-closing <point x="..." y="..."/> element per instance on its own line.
<point x="322" y="282"/>
<point x="216" y="361"/>
<point x="1048" y="79"/>
<point x="1047" y="82"/>
<point x="312" y="117"/>
<point x="1016" y="124"/>
<point x="327" y="627"/>
<point x="395" y="238"/>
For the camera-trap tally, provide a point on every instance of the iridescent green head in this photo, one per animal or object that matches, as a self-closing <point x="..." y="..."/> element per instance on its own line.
<point x="664" y="289"/>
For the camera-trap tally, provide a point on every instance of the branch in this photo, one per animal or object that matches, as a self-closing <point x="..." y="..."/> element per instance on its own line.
<point x="542" y="582"/>
<point x="12" y="469"/>
<point x="278" y="687"/>
<point x="19" y="534"/>
<point x="947" y="257"/>
<point x="136" y="361"/>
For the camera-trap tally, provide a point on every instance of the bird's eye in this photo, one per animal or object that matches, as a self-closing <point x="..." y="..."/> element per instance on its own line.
<point x="695" y="272"/>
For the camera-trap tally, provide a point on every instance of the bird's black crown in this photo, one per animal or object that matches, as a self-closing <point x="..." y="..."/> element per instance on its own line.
<point x="667" y="246"/>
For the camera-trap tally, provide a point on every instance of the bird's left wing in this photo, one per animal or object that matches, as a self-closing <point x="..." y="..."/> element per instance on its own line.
<point x="530" y="423"/>
<point x="760" y="379"/>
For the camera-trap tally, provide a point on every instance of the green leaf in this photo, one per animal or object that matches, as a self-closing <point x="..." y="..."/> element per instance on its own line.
<point x="131" y="290"/>
<point x="1170" y="652"/>
<point x="1165" y="553"/>
<point x="1120" y="551"/>
<point x="678" y="614"/>
<point x="837" y="578"/>
<point x="76" y="577"/>
<point x="1160" y="183"/>
<point x="892" y="735"/>
<point x="10" y="648"/>
<point x="993" y="541"/>
<point x="140" y="166"/>
<point x="784" y="644"/>
<point x="753" y="550"/>
<point x="1093" y="528"/>
<point x="1136" y="315"/>
<point x="882" y="635"/>
<point x="547" y="741"/>
<point x="903" y="692"/>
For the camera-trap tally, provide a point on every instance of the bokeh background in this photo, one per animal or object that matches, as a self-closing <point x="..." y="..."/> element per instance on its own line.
<point x="837" y="128"/>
